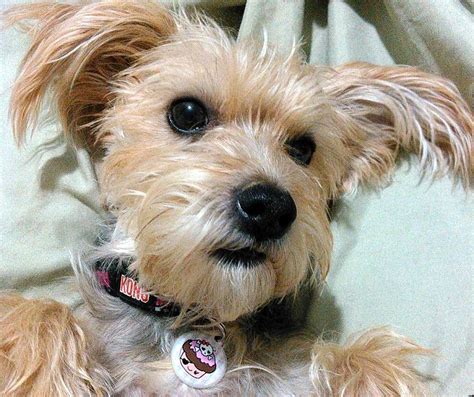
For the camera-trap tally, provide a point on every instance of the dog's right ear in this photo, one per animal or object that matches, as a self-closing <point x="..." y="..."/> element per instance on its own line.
<point x="77" y="52"/>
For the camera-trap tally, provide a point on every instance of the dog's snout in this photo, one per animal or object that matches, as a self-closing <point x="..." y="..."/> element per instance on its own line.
<point x="265" y="211"/>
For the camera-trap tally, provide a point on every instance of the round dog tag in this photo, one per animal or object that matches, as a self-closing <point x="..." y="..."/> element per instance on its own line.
<point x="198" y="360"/>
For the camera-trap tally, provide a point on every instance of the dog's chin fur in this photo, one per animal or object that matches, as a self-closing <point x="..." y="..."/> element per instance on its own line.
<point x="113" y="69"/>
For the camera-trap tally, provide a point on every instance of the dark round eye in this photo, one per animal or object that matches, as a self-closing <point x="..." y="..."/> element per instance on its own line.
<point x="185" y="362"/>
<point x="301" y="149"/>
<point x="187" y="116"/>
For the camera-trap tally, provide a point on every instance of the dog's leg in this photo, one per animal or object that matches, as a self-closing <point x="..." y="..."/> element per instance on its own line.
<point x="43" y="351"/>
<point x="376" y="363"/>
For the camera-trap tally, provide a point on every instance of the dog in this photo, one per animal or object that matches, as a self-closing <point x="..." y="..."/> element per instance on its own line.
<point x="217" y="160"/>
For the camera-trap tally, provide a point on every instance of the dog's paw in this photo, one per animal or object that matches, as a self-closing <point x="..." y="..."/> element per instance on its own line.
<point x="43" y="351"/>
<point x="377" y="362"/>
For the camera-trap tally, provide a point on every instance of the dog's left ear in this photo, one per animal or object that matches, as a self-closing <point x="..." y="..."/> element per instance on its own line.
<point x="77" y="52"/>
<point x="381" y="110"/>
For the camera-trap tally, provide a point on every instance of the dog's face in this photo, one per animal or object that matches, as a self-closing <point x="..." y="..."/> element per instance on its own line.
<point x="220" y="157"/>
<point x="220" y="163"/>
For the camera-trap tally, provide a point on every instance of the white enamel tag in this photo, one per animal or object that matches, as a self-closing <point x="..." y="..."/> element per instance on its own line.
<point x="198" y="360"/>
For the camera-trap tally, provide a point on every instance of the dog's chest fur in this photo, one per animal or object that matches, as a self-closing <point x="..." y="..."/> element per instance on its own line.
<point x="134" y="346"/>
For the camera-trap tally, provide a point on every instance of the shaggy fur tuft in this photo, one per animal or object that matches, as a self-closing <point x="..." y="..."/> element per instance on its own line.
<point x="45" y="352"/>
<point x="374" y="363"/>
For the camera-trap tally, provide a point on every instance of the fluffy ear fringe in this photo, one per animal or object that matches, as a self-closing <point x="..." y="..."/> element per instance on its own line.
<point x="77" y="51"/>
<point x="385" y="109"/>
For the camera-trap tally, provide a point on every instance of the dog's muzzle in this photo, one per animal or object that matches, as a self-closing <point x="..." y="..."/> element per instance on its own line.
<point x="264" y="211"/>
<point x="246" y="257"/>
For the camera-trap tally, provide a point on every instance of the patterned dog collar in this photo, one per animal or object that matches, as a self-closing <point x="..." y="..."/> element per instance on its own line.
<point x="115" y="278"/>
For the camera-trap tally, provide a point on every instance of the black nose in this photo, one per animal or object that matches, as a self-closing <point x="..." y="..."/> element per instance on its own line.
<point x="265" y="212"/>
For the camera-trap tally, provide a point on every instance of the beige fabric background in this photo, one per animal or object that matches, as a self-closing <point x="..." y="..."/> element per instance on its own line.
<point x="402" y="256"/>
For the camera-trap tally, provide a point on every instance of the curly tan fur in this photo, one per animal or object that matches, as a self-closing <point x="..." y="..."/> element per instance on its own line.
<point x="112" y="70"/>
<point x="44" y="351"/>
<point x="374" y="363"/>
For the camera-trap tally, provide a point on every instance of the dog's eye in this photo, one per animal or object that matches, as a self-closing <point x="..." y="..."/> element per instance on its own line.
<point x="187" y="116"/>
<point x="301" y="149"/>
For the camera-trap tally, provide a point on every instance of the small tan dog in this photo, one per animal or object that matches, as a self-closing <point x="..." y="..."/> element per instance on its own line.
<point x="216" y="160"/>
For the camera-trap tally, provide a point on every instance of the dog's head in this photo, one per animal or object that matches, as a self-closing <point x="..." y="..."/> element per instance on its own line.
<point x="219" y="157"/>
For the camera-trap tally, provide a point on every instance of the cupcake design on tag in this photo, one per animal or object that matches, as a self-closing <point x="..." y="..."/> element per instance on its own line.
<point x="198" y="358"/>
